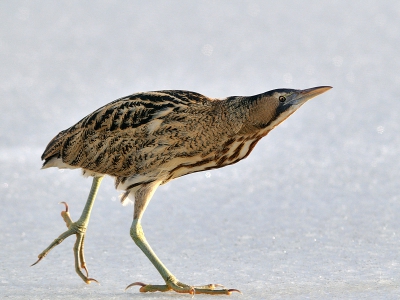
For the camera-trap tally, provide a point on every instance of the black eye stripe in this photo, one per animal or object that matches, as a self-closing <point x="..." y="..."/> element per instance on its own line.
<point x="282" y="98"/>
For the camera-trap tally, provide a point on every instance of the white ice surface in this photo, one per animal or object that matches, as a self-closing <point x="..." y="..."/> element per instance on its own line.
<point x="313" y="213"/>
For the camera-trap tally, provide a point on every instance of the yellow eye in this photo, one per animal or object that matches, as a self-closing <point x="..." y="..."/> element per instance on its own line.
<point x="282" y="98"/>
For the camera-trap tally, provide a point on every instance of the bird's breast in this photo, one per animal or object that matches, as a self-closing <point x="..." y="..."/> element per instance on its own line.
<point x="231" y="152"/>
<point x="237" y="150"/>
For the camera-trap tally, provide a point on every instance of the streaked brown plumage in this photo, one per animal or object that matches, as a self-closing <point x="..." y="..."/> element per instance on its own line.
<point x="157" y="136"/>
<point x="148" y="139"/>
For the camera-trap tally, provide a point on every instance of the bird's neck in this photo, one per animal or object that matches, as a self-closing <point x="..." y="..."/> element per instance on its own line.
<point x="240" y="111"/>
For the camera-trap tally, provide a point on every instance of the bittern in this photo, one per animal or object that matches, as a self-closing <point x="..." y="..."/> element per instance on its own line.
<point x="147" y="139"/>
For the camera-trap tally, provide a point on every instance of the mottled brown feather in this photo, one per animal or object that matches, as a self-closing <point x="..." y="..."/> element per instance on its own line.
<point x="157" y="136"/>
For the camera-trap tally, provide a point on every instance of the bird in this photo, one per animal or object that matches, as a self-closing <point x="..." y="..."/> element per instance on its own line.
<point x="147" y="139"/>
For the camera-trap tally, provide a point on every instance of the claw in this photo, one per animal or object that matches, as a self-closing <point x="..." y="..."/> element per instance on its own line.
<point x="66" y="205"/>
<point x="234" y="290"/>
<point x="135" y="283"/>
<point x="40" y="258"/>
<point x="65" y="214"/>
<point x="89" y="280"/>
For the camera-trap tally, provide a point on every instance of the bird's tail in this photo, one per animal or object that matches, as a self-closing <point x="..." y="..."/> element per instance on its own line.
<point x="52" y="153"/>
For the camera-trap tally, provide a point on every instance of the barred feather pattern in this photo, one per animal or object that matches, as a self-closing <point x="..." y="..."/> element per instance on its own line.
<point x="156" y="137"/>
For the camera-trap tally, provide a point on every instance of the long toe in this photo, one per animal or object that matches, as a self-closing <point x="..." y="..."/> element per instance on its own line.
<point x="80" y="259"/>
<point x="179" y="287"/>
<point x="144" y="288"/>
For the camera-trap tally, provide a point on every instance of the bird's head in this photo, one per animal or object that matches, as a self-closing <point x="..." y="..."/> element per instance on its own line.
<point x="271" y="108"/>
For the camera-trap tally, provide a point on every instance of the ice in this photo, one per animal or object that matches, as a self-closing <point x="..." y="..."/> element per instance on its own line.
<point x="312" y="213"/>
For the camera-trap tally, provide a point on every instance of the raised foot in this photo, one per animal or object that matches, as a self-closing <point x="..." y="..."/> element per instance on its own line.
<point x="79" y="229"/>
<point x="179" y="287"/>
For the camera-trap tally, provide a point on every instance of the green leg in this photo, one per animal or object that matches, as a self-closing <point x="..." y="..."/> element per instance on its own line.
<point x="142" y="197"/>
<point x="79" y="229"/>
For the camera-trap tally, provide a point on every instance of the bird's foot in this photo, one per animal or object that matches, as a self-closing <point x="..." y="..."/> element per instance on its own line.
<point x="79" y="229"/>
<point x="179" y="287"/>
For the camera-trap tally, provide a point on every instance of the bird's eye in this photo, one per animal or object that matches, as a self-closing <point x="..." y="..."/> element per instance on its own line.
<point x="282" y="98"/>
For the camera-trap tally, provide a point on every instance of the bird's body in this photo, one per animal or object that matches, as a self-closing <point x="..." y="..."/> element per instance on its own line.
<point x="157" y="136"/>
<point x="148" y="139"/>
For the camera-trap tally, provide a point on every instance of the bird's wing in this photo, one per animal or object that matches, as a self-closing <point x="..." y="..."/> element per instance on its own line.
<point x="117" y="137"/>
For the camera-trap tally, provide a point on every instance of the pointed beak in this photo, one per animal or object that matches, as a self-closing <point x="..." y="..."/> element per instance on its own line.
<point x="305" y="95"/>
<point x="301" y="96"/>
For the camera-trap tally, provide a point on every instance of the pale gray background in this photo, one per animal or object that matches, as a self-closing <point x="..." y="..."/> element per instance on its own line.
<point x="313" y="213"/>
